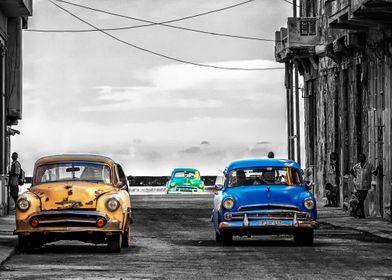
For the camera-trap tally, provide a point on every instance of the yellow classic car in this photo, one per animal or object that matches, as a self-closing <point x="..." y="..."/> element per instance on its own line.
<point x="75" y="197"/>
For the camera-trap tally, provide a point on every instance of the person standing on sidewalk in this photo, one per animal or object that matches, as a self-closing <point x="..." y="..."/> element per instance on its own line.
<point x="362" y="172"/>
<point x="14" y="175"/>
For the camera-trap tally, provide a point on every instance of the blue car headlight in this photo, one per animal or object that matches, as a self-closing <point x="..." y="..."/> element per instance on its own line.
<point x="228" y="203"/>
<point x="172" y="184"/>
<point x="309" y="203"/>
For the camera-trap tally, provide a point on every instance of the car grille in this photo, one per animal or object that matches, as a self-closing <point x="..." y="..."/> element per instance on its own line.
<point x="270" y="215"/>
<point x="74" y="218"/>
<point x="268" y="207"/>
<point x="185" y="189"/>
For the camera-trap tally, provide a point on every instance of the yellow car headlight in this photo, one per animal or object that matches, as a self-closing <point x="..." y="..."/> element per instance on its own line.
<point x="112" y="204"/>
<point x="23" y="204"/>
<point x="228" y="203"/>
<point x="309" y="203"/>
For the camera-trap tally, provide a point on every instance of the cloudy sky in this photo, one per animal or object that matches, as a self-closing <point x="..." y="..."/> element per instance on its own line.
<point x="88" y="93"/>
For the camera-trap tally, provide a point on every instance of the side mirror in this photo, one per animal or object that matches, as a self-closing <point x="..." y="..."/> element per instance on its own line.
<point x="218" y="187"/>
<point x="309" y="185"/>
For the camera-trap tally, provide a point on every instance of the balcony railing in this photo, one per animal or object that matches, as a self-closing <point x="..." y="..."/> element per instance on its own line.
<point x="298" y="39"/>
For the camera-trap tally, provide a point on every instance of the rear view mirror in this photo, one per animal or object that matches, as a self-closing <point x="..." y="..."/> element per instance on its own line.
<point x="218" y="187"/>
<point x="72" y="169"/>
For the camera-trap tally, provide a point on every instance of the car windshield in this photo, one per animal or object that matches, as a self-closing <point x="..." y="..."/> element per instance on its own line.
<point x="264" y="176"/>
<point x="72" y="171"/>
<point x="186" y="174"/>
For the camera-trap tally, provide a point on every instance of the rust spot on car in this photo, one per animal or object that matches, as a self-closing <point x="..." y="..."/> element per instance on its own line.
<point x="70" y="192"/>
<point x="70" y="203"/>
<point x="47" y="199"/>
<point x="90" y="202"/>
<point x="98" y="192"/>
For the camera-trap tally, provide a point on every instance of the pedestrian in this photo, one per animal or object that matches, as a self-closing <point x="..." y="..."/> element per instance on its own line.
<point x="331" y="193"/>
<point x="271" y="155"/>
<point x="362" y="173"/>
<point x="14" y="176"/>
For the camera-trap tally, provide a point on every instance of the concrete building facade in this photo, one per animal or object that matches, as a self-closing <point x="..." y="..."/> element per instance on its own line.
<point x="13" y="19"/>
<point x="343" y="51"/>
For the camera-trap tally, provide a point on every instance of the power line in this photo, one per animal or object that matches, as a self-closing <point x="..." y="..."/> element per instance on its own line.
<point x="159" y="54"/>
<point x="152" y="23"/>
<point x="145" y="25"/>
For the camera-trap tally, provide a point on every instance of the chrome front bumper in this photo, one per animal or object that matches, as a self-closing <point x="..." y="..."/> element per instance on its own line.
<point x="268" y="220"/>
<point x="183" y="190"/>
<point x="65" y="221"/>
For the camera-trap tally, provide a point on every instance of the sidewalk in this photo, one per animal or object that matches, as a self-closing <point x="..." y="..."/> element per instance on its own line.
<point x="337" y="217"/>
<point x="8" y="241"/>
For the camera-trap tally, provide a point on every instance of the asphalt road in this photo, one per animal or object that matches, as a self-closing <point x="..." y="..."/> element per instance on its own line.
<point x="173" y="239"/>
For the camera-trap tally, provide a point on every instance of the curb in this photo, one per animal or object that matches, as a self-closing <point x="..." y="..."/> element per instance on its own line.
<point x="12" y="252"/>
<point x="386" y="237"/>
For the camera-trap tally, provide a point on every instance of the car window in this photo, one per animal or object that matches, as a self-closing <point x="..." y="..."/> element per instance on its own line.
<point x="187" y="174"/>
<point x="72" y="171"/>
<point x="263" y="176"/>
<point x="122" y="176"/>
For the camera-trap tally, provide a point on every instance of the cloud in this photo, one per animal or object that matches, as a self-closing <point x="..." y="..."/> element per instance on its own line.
<point x="264" y="143"/>
<point x="191" y="150"/>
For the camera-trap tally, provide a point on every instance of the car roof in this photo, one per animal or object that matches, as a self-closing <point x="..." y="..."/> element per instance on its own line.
<point x="74" y="157"/>
<point x="184" y="169"/>
<point x="261" y="162"/>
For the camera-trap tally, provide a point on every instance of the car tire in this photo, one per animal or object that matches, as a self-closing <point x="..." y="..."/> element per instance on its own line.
<point x="218" y="237"/>
<point x="227" y="238"/>
<point x="24" y="244"/>
<point x="304" y="237"/>
<point x="126" y="237"/>
<point x="114" y="243"/>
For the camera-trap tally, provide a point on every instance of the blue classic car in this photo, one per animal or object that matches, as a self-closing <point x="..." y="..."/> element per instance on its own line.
<point x="264" y="196"/>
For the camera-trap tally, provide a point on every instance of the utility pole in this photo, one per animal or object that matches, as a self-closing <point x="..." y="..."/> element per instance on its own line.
<point x="296" y="89"/>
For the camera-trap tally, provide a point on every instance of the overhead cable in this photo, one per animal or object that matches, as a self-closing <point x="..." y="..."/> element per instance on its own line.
<point x="156" y="53"/>
<point x="151" y="23"/>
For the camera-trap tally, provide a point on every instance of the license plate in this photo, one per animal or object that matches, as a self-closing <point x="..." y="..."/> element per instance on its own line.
<point x="274" y="223"/>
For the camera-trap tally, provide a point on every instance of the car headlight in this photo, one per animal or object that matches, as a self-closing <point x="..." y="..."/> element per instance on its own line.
<point x="172" y="184"/>
<point x="201" y="185"/>
<point x="309" y="203"/>
<point x="228" y="203"/>
<point x="112" y="204"/>
<point x="23" y="204"/>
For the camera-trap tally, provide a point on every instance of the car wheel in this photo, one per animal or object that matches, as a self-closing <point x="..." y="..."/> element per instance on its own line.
<point x="227" y="238"/>
<point x="24" y="243"/>
<point x="114" y="243"/>
<point x="218" y="237"/>
<point x="126" y="237"/>
<point x="305" y="237"/>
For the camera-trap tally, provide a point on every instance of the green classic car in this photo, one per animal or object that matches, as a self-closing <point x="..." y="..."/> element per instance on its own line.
<point x="185" y="180"/>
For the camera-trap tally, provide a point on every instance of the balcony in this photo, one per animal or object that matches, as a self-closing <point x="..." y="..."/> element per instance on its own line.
<point x="16" y="8"/>
<point x="297" y="40"/>
<point x="371" y="11"/>
<point x="337" y="12"/>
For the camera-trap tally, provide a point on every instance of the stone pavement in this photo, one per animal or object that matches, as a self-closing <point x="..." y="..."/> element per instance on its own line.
<point x="327" y="215"/>
<point x="337" y="217"/>
<point x="8" y="241"/>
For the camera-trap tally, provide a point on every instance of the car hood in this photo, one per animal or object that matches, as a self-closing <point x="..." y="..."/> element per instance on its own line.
<point x="186" y="181"/>
<point x="66" y="195"/>
<point x="268" y="194"/>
